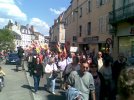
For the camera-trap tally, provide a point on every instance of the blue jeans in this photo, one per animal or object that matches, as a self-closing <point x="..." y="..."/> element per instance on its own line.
<point x="51" y="83"/>
<point x="36" y="82"/>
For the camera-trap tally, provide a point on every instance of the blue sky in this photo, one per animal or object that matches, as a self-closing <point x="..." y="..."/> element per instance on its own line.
<point x="40" y="13"/>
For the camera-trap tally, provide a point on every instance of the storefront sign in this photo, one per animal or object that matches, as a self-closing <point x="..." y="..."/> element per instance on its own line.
<point x="91" y="39"/>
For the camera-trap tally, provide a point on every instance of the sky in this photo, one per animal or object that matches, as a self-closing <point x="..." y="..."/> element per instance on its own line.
<point x="39" y="13"/>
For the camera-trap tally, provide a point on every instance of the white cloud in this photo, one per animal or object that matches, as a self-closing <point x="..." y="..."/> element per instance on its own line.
<point x="40" y="26"/>
<point x="55" y="11"/>
<point x="9" y="10"/>
<point x="3" y="22"/>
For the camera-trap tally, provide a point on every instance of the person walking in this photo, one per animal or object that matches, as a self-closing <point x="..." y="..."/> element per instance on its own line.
<point x="99" y="60"/>
<point x="106" y="72"/>
<point x="62" y="64"/>
<point x="37" y="73"/>
<point x="83" y="81"/>
<point x="29" y="61"/>
<point x="49" y="69"/>
<point x="117" y="67"/>
<point x="71" y="67"/>
<point x="20" y="55"/>
<point x="98" y="81"/>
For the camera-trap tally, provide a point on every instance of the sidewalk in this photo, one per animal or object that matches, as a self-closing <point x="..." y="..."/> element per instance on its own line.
<point x="42" y="94"/>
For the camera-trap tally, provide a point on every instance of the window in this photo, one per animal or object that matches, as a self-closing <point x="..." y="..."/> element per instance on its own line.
<point x="80" y="30"/>
<point x="55" y="38"/>
<point x="101" y="25"/>
<point x="80" y="12"/>
<point x="100" y="3"/>
<point x="97" y="3"/>
<point x="74" y="39"/>
<point x="89" y="6"/>
<point x="89" y="28"/>
<point x="66" y="21"/>
<point x="107" y="23"/>
<point x="73" y="15"/>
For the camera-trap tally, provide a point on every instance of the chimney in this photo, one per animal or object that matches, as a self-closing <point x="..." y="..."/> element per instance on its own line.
<point x="32" y="28"/>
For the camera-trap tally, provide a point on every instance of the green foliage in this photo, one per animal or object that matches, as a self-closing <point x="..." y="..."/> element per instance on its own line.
<point x="6" y="39"/>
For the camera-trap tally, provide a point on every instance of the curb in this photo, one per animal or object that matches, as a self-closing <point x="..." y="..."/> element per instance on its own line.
<point x="26" y="74"/>
<point x="30" y="82"/>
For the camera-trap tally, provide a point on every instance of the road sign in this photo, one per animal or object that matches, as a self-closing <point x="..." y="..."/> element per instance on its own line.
<point x="109" y="41"/>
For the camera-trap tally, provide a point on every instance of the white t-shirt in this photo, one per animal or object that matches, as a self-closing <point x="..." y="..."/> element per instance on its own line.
<point x="69" y="60"/>
<point x="49" y="68"/>
<point x="62" y="64"/>
<point x="100" y="63"/>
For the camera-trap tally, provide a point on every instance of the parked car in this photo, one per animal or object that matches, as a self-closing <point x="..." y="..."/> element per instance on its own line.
<point x="12" y="58"/>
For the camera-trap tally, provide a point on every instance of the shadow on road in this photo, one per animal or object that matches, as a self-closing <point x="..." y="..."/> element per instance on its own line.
<point x="27" y="87"/>
<point x="32" y="88"/>
<point x="55" y="97"/>
<point x="16" y="70"/>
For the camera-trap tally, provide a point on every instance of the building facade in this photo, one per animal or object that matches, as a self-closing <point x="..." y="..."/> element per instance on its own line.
<point x="122" y="20"/>
<point x="87" y="24"/>
<point x="25" y="35"/>
<point x="57" y="31"/>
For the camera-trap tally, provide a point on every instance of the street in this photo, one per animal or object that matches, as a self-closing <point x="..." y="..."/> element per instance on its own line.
<point x="16" y="85"/>
<point x="19" y="86"/>
<point x="42" y="94"/>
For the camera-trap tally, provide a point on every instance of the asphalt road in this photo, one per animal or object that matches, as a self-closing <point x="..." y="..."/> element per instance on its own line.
<point x="16" y="84"/>
<point x="19" y="86"/>
<point x="42" y="94"/>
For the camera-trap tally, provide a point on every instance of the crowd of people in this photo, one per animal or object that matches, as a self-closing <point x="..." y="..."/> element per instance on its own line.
<point x="82" y="76"/>
<point x="91" y="77"/>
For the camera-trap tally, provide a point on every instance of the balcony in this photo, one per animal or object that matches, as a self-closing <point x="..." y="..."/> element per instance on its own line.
<point x="125" y="13"/>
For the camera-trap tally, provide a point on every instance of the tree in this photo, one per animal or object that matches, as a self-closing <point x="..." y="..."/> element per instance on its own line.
<point x="6" y="40"/>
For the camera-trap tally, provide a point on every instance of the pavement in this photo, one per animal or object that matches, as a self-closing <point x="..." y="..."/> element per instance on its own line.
<point x="42" y="94"/>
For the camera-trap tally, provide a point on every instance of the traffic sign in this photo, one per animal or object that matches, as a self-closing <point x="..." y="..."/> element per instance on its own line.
<point x="109" y="41"/>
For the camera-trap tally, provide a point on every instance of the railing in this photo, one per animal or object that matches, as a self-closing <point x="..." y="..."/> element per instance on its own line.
<point x="123" y="13"/>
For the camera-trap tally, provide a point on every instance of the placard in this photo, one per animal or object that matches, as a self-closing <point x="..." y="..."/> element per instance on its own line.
<point x="73" y="49"/>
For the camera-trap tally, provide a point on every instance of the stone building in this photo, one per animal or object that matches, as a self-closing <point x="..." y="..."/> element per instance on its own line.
<point x="87" y="24"/>
<point x="122" y="20"/>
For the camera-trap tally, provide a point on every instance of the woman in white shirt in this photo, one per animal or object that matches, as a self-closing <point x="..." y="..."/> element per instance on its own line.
<point x="50" y="67"/>
<point x="62" y="64"/>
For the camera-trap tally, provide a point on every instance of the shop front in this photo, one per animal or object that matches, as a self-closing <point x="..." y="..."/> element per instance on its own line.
<point x="92" y="44"/>
<point x="126" y="45"/>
